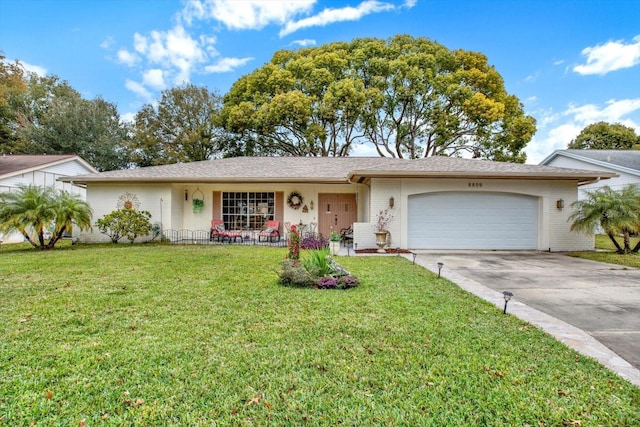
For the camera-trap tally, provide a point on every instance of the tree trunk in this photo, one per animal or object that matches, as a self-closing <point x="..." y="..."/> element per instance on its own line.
<point x="615" y="242"/>
<point x="636" y="248"/>
<point x="627" y="244"/>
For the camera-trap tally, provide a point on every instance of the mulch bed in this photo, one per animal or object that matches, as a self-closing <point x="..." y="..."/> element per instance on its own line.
<point x="389" y="251"/>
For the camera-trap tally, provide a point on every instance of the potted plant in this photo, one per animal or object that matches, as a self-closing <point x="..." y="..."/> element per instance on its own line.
<point x="334" y="242"/>
<point x="384" y="218"/>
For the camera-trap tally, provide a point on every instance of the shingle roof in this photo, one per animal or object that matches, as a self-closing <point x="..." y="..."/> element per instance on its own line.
<point x="331" y="169"/>
<point x="625" y="158"/>
<point x="11" y="164"/>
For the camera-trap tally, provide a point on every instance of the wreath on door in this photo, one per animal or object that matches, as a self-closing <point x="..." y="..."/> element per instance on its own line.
<point x="294" y="200"/>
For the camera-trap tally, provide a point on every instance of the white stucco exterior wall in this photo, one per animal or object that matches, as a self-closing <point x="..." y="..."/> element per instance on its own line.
<point x="167" y="202"/>
<point x="553" y="227"/>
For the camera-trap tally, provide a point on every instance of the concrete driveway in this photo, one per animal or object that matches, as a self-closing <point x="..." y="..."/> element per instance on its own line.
<point x="600" y="299"/>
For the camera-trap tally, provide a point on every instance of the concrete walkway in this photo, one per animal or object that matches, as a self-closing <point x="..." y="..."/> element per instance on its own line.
<point x="562" y="295"/>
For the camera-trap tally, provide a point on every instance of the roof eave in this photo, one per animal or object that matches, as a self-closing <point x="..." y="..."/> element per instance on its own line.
<point x="200" y="180"/>
<point x="362" y="176"/>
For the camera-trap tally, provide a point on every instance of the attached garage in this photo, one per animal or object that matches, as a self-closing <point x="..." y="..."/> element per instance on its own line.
<point x="478" y="220"/>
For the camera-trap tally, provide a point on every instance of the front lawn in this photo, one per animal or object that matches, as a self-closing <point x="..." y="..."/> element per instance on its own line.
<point x="606" y="252"/>
<point x="203" y="335"/>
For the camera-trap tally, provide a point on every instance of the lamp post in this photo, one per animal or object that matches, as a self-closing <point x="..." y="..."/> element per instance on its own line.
<point x="440" y="265"/>
<point x="507" y="297"/>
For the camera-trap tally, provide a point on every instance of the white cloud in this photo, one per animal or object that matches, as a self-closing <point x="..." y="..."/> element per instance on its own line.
<point x="128" y="118"/>
<point x="611" y="56"/>
<point x="154" y="78"/>
<point x="330" y="16"/>
<point x="556" y="130"/>
<point x="41" y="71"/>
<point x="107" y="42"/>
<point x="139" y="90"/>
<point x="410" y="3"/>
<point x="127" y="58"/>
<point x="175" y="51"/>
<point x="246" y="14"/>
<point x="304" y="42"/>
<point x="227" y="64"/>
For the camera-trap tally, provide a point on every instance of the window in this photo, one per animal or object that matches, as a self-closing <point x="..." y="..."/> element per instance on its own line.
<point x="247" y="210"/>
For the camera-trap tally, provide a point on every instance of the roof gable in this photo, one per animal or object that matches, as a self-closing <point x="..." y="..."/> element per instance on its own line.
<point x="11" y="165"/>
<point x="627" y="161"/>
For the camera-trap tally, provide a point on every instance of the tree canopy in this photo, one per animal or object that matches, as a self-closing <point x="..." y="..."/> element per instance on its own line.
<point x="183" y="127"/>
<point x="409" y="97"/>
<point x="44" y="115"/>
<point x="606" y="136"/>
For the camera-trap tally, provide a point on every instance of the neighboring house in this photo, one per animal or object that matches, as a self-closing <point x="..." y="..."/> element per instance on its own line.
<point x="625" y="163"/>
<point x="438" y="202"/>
<point x="42" y="170"/>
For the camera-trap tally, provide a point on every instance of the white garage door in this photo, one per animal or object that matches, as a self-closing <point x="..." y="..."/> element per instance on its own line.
<point x="472" y="221"/>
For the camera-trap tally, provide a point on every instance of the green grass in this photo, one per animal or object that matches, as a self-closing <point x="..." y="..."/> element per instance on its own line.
<point x="203" y="335"/>
<point x="606" y="252"/>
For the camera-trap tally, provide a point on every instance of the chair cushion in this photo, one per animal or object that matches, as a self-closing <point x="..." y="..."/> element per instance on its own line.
<point x="220" y="227"/>
<point x="268" y="230"/>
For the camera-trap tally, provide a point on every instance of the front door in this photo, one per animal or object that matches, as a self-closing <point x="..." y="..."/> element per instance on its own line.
<point x="336" y="211"/>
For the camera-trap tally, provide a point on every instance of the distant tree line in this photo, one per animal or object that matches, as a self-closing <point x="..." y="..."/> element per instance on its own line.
<point x="404" y="97"/>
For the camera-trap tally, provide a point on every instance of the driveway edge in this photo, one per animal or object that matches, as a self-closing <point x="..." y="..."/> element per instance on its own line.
<point x="569" y="335"/>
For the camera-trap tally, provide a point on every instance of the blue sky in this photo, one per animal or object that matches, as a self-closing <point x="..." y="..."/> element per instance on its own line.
<point x="571" y="63"/>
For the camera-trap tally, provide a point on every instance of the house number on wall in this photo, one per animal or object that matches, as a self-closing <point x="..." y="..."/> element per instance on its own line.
<point x="475" y="184"/>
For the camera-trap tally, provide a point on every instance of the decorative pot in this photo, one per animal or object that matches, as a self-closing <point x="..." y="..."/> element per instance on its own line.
<point x="334" y="247"/>
<point x="381" y="241"/>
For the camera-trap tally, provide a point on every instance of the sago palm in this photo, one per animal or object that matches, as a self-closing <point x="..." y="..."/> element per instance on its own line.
<point x="616" y="212"/>
<point x="32" y="209"/>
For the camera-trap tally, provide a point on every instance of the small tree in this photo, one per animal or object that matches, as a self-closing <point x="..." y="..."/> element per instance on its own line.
<point x="129" y="223"/>
<point x="617" y="212"/>
<point x="33" y="210"/>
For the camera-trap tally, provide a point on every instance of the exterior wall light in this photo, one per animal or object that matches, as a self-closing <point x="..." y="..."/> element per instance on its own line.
<point x="186" y="195"/>
<point x="560" y="204"/>
<point x="311" y="205"/>
<point x="391" y="202"/>
<point x="507" y="297"/>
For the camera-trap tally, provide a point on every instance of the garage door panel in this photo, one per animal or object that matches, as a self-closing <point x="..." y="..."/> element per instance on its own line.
<point x="472" y="221"/>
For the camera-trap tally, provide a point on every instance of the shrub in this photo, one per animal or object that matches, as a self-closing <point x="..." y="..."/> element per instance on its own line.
<point x="327" y="282"/>
<point x="346" y="282"/>
<point x="128" y="223"/>
<point x="292" y="273"/>
<point x="314" y="241"/>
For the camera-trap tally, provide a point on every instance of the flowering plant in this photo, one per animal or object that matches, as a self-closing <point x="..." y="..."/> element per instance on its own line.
<point x="294" y="244"/>
<point x="384" y="218"/>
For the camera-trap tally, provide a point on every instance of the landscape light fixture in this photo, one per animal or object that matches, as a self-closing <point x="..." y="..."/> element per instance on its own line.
<point x="414" y="257"/>
<point x="440" y="265"/>
<point x="507" y="297"/>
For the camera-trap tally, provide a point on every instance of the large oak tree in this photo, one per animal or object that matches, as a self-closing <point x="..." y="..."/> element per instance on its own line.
<point x="408" y="97"/>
